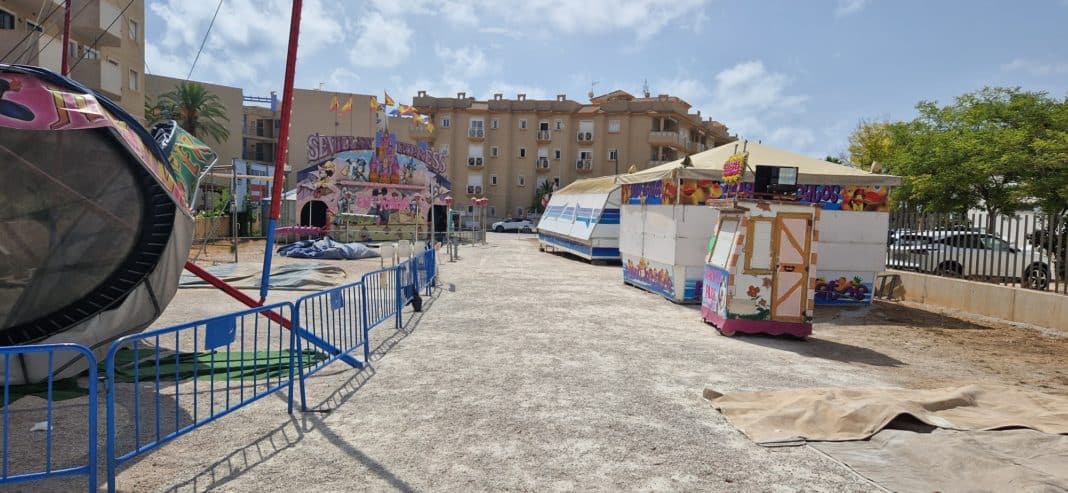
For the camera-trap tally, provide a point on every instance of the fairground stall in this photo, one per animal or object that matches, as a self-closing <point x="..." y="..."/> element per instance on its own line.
<point x="665" y="225"/>
<point x="370" y="188"/>
<point x="583" y="219"/>
<point x="757" y="276"/>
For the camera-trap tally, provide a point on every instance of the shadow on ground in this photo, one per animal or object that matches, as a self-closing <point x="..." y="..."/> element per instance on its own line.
<point x="889" y="314"/>
<point x="815" y="347"/>
<point x="286" y="436"/>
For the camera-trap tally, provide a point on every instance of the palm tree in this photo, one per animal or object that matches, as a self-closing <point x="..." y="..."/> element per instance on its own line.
<point x="196" y="109"/>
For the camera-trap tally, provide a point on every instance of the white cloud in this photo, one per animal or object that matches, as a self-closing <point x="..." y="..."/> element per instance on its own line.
<point x="380" y="43"/>
<point x="691" y="90"/>
<point x="511" y="90"/>
<point x="756" y="103"/>
<point x="849" y="7"/>
<point x="463" y="62"/>
<point x="797" y="138"/>
<point x="236" y="47"/>
<point x="1036" y="68"/>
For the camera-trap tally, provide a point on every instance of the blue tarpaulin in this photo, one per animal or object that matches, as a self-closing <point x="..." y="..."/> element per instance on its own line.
<point x="326" y="248"/>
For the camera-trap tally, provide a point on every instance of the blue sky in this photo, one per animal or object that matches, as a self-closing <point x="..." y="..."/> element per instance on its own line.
<point x="796" y="74"/>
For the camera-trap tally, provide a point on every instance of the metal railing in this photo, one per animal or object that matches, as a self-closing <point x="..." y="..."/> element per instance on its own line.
<point x="161" y="376"/>
<point x="22" y="439"/>
<point x="1027" y="250"/>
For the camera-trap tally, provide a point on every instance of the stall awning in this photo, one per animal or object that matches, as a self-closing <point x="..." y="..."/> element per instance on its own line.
<point x="811" y="171"/>
<point x="602" y="184"/>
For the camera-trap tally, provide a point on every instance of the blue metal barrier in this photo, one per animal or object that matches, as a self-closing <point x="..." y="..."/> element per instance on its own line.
<point x="263" y="348"/>
<point x="331" y="319"/>
<point x="380" y="296"/>
<point x="41" y="353"/>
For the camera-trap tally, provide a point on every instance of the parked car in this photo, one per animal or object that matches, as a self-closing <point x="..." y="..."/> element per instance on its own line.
<point x="971" y="254"/>
<point x="513" y="224"/>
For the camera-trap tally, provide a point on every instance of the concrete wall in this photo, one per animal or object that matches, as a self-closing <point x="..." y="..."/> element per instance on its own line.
<point x="1049" y="310"/>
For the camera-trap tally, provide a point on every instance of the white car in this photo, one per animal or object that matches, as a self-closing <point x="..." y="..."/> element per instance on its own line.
<point x="513" y="224"/>
<point x="969" y="254"/>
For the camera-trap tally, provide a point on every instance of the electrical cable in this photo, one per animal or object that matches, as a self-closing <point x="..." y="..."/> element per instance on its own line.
<point x="205" y="40"/>
<point x="101" y="35"/>
<point x="31" y="33"/>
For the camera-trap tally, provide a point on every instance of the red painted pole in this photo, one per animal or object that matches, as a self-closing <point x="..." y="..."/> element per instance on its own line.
<point x="66" y="38"/>
<point x="287" y="104"/>
<point x="233" y="292"/>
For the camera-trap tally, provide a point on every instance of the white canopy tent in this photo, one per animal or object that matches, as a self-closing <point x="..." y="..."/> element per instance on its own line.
<point x="583" y="219"/>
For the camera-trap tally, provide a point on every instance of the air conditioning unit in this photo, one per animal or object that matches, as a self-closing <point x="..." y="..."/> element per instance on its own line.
<point x="478" y="190"/>
<point x="470" y="161"/>
<point x="543" y="162"/>
<point x="478" y="161"/>
<point x="470" y="189"/>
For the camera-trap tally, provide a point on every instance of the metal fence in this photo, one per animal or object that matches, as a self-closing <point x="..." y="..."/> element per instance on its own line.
<point x="1027" y="250"/>
<point x="52" y="461"/>
<point x="165" y="383"/>
<point x="229" y="362"/>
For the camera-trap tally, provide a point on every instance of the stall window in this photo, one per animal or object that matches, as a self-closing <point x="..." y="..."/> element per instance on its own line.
<point x="758" y="246"/>
<point x="724" y="242"/>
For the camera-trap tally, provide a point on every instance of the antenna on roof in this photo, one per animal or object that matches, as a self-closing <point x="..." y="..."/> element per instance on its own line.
<point x="592" y="85"/>
<point x="645" y="88"/>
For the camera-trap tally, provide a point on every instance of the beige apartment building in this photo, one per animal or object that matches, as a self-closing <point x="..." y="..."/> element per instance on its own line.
<point x="504" y="149"/>
<point x="106" y="49"/>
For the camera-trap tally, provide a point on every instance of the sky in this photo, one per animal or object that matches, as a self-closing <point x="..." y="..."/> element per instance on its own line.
<point x="795" y="74"/>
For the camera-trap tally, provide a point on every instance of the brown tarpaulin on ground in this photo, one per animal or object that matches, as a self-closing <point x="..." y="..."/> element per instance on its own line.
<point x="793" y="416"/>
<point x="957" y="461"/>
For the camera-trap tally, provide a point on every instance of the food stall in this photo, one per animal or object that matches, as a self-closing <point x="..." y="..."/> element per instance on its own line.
<point x="583" y="219"/>
<point x="665" y="225"/>
<point x="757" y="277"/>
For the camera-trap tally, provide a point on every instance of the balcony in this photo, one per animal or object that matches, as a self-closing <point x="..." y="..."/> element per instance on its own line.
<point x="666" y="138"/>
<point x="476" y="134"/>
<point x="544" y="136"/>
<point x="474" y="162"/>
<point x="543" y="163"/>
<point x="584" y="165"/>
<point x="34" y="6"/>
<point x="40" y="50"/>
<point x="585" y="137"/>
<point x="94" y="20"/>
<point x="101" y="75"/>
<point x="474" y="189"/>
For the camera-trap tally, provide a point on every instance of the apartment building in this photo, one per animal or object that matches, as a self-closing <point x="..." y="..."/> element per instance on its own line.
<point x="106" y="49"/>
<point x="504" y="149"/>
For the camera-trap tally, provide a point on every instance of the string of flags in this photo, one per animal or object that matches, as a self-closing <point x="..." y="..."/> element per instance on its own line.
<point x="389" y="105"/>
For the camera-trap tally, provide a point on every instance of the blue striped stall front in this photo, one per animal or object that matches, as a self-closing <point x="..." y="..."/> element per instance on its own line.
<point x="587" y="251"/>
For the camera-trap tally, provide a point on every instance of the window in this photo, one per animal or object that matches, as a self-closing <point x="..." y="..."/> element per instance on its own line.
<point x="493" y="179"/>
<point x="91" y="54"/>
<point x="585" y="154"/>
<point x="721" y="244"/>
<point x="474" y="150"/>
<point x="613" y="126"/>
<point x="559" y="124"/>
<point x="542" y="180"/>
<point x="613" y="155"/>
<point x="556" y="181"/>
<point x="556" y="154"/>
<point x="521" y="181"/>
<point x="7" y="20"/>
<point x="444" y="122"/>
<point x="495" y="123"/>
<point x="522" y="124"/>
<point x="72" y="50"/>
<point x="33" y="27"/>
<point x="493" y="151"/>
<point x="522" y="152"/>
<point x="135" y="82"/>
<point x="543" y="126"/>
<point x="132" y="30"/>
<point x="758" y="246"/>
<point x="470" y="209"/>
<point x="444" y="149"/>
<point x="998" y="244"/>
<point x="477" y="124"/>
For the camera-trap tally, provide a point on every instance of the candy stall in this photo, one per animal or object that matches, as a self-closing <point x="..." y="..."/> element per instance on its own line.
<point x="758" y="275"/>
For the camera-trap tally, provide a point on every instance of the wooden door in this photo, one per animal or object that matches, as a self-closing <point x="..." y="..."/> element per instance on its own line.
<point x="792" y="242"/>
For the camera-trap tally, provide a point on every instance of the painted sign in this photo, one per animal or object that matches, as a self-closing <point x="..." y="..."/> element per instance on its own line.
<point x="869" y="198"/>
<point x="650" y="276"/>
<point x="714" y="293"/>
<point x="371" y="177"/>
<point x="842" y="290"/>
<point x="734" y="168"/>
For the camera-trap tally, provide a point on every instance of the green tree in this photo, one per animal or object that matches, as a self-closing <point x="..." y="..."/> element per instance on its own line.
<point x="1047" y="179"/>
<point x="154" y="112"/>
<point x="197" y="110"/>
<point x="979" y="152"/>
<point x="870" y="143"/>
<point x="832" y="159"/>
<point x="545" y="188"/>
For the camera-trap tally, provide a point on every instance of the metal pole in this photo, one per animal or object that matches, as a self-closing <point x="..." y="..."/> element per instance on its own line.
<point x="66" y="38"/>
<point x="233" y="208"/>
<point x="283" y="146"/>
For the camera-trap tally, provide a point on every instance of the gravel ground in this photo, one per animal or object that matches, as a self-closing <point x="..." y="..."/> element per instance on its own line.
<point x="533" y="371"/>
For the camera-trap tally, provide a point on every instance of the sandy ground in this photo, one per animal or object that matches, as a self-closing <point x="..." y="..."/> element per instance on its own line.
<point x="534" y="371"/>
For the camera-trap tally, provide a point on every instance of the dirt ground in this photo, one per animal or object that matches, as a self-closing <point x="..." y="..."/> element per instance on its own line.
<point x="534" y="371"/>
